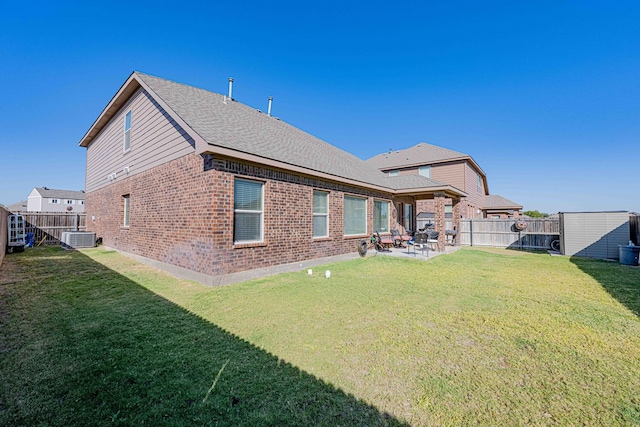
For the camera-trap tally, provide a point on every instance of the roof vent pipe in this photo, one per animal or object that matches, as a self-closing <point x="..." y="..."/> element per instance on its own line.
<point x="230" y="87"/>
<point x="269" y="109"/>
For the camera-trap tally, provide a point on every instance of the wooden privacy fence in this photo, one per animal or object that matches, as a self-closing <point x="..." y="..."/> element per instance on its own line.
<point x="502" y="233"/>
<point x="47" y="227"/>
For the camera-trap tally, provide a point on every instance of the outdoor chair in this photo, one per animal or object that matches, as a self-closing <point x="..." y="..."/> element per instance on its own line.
<point x="383" y="243"/>
<point x="432" y="239"/>
<point x="420" y="242"/>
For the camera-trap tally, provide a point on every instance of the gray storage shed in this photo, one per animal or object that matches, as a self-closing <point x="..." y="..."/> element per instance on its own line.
<point x="593" y="234"/>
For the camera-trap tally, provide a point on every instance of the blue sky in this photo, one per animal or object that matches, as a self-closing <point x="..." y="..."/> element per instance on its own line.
<point x="545" y="96"/>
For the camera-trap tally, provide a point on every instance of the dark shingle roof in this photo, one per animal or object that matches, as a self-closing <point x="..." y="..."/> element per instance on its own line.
<point x="60" y="194"/>
<point x="421" y="153"/>
<point x="493" y="201"/>
<point x="230" y="124"/>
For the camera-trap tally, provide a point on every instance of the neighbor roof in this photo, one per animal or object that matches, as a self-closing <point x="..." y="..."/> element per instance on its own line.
<point x="17" y="207"/>
<point x="223" y="126"/>
<point x="51" y="193"/>
<point x="494" y="201"/>
<point x="420" y="154"/>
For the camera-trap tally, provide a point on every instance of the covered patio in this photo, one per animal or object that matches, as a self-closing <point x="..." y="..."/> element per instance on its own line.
<point x="409" y="197"/>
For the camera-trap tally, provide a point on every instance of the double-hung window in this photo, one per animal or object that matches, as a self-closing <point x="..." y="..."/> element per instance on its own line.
<point x="248" y="211"/>
<point x="355" y="216"/>
<point x="127" y="131"/>
<point x="381" y="216"/>
<point x="320" y="214"/>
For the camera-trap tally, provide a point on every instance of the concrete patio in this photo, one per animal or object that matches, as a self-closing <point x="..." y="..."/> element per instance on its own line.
<point x="413" y="252"/>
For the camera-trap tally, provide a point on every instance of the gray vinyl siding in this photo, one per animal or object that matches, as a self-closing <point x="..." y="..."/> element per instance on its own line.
<point x="155" y="139"/>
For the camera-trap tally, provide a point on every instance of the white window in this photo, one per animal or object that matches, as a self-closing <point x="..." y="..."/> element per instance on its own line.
<point x="355" y="216"/>
<point x="480" y="184"/>
<point x="55" y="201"/>
<point x="381" y="216"/>
<point x="126" y="199"/>
<point x="127" y="131"/>
<point x="248" y="211"/>
<point x="81" y="202"/>
<point x="320" y="214"/>
<point x="69" y="202"/>
<point x="425" y="171"/>
<point x="394" y="173"/>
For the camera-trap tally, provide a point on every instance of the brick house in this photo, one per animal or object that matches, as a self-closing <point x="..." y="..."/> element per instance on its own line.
<point x="454" y="168"/>
<point x="197" y="182"/>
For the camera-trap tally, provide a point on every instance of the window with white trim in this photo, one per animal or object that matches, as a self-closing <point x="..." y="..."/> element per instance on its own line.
<point x="126" y="207"/>
<point x="394" y="173"/>
<point x="355" y="216"/>
<point x="480" y="184"/>
<point x="425" y="171"/>
<point x="54" y="201"/>
<point x="381" y="216"/>
<point x="127" y="131"/>
<point x="320" y="214"/>
<point x="248" y="211"/>
<point x="70" y="202"/>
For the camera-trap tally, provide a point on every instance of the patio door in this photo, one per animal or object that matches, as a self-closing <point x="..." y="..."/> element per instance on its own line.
<point x="406" y="216"/>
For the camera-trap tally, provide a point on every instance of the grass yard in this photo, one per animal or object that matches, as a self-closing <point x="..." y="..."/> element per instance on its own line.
<point x="490" y="337"/>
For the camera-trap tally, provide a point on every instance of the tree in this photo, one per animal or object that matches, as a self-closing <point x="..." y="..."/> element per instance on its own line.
<point x="536" y="214"/>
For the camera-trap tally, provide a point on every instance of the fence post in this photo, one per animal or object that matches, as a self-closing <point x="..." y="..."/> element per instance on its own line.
<point x="471" y="232"/>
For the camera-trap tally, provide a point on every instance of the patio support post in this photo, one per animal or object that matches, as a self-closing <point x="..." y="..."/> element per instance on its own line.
<point x="440" y="223"/>
<point x="455" y="218"/>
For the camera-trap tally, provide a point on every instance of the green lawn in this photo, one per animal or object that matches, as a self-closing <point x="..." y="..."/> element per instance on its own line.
<point x="490" y="337"/>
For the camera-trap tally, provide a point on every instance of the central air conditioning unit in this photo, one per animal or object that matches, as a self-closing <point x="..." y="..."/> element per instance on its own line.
<point x="78" y="239"/>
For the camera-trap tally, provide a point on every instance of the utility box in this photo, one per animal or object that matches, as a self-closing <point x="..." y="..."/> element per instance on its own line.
<point x="15" y="233"/>
<point x="78" y="239"/>
<point x="593" y="234"/>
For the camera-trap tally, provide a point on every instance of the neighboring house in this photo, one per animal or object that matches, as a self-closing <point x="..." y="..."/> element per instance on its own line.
<point x="43" y="199"/>
<point x="498" y="207"/>
<point x="193" y="179"/>
<point x="451" y="167"/>
<point x="18" y="207"/>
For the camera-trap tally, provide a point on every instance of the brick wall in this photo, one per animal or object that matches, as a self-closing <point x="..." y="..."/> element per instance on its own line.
<point x="182" y="214"/>
<point x="467" y="210"/>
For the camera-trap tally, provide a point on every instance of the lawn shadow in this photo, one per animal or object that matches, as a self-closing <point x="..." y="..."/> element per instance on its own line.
<point x="622" y="282"/>
<point x="110" y="351"/>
